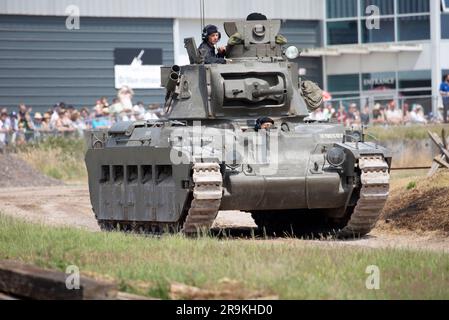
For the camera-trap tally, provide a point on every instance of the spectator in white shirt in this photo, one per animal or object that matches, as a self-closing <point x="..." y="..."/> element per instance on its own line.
<point x="394" y="115"/>
<point x="5" y="128"/>
<point x="417" y="115"/>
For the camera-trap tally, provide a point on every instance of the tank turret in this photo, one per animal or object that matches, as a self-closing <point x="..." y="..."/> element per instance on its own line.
<point x="257" y="76"/>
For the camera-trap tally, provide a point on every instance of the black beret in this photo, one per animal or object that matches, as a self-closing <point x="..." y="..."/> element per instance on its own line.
<point x="256" y="16"/>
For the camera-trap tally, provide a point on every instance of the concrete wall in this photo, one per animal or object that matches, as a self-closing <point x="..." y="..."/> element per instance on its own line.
<point x="380" y="62"/>
<point x="384" y="62"/>
<point x="444" y="54"/>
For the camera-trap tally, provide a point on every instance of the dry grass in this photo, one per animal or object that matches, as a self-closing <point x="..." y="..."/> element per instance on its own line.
<point x="401" y="178"/>
<point x="57" y="157"/>
<point x="419" y="203"/>
<point x="413" y="132"/>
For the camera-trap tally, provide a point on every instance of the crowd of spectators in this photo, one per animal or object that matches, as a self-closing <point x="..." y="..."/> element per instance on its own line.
<point x="386" y="115"/>
<point x="21" y="126"/>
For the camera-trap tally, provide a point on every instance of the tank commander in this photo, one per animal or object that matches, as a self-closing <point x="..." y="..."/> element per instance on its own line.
<point x="207" y="48"/>
<point x="237" y="38"/>
<point x="264" y="123"/>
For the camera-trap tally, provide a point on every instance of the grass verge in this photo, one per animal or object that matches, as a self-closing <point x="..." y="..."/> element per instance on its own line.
<point x="57" y="157"/>
<point x="288" y="269"/>
<point x="413" y="132"/>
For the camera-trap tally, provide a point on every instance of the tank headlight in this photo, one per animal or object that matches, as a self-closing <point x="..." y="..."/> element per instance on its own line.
<point x="292" y="52"/>
<point x="356" y="136"/>
<point x="336" y="157"/>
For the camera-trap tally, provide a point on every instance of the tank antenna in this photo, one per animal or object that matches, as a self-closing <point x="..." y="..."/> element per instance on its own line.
<point x="202" y="15"/>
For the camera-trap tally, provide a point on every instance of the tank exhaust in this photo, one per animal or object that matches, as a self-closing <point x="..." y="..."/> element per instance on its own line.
<point x="172" y="82"/>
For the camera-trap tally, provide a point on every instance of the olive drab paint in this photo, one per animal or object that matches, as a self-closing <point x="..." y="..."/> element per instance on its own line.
<point x="141" y="173"/>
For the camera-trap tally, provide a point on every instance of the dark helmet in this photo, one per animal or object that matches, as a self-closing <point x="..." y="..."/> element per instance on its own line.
<point x="256" y="16"/>
<point x="208" y="30"/>
<point x="261" y="121"/>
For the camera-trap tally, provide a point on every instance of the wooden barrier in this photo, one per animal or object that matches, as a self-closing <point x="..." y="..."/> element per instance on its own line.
<point x="21" y="281"/>
<point x="440" y="161"/>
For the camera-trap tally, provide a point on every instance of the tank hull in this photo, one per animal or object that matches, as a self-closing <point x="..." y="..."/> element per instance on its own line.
<point x="131" y="181"/>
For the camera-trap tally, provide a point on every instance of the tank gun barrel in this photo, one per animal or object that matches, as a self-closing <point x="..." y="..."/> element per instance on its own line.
<point x="259" y="93"/>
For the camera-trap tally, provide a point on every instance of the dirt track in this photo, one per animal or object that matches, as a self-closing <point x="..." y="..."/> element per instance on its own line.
<point x="70" y="206"/>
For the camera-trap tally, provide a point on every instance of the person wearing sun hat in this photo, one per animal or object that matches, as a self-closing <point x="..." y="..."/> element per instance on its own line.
<point x="45" y="126"/>
<point x="37" y="124"/>
<point x="37" y="120"/>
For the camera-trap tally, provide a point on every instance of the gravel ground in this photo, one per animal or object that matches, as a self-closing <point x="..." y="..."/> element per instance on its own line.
<point x="14" y="172"/>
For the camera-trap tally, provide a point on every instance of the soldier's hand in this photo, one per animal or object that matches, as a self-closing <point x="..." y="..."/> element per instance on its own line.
<point x="222" y="50"/>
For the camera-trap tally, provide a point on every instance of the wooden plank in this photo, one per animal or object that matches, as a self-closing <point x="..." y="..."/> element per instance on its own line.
<point x="441" y="162"/>
<point x="4" y="296"/>
<point x="444" y="138"/>
<point x="435" y="166"/>
<point x="409" y="168"/>
<point x="130" y="296"/>
<point x="30" y="282"/>
<point x="437" y="140"/>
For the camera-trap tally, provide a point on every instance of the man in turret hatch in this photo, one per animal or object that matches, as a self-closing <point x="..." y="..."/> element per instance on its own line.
<point x="207" y="49"/>
<point x="264" y="123"/>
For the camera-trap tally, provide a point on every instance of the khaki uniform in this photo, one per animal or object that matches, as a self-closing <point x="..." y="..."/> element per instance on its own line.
<point x="312" y="94"/>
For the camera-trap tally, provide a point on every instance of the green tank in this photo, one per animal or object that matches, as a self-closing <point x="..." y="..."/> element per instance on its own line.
<point x="174" y="175"/>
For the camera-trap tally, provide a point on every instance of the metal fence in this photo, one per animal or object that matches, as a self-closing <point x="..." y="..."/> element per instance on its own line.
<point x="403" y="102"/>
<point x="431" y="106"/>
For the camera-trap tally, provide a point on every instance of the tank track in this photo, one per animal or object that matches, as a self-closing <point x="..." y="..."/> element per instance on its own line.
<point x="375" y="181"/>
<point x="146" y="228"/>
<point x="207" y="194"/>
